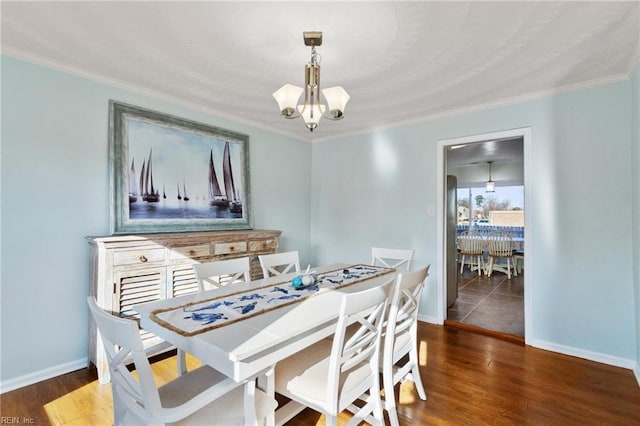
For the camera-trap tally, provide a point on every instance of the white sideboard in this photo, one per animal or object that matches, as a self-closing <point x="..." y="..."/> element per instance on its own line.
<point x="126" y="270"/>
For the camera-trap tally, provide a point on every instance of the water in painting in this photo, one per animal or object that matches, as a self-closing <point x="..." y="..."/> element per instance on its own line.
<point x="181" y="174"/>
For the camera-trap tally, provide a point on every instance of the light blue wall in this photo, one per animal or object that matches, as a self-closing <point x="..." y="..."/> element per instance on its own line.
<point x="379" y="188"/>
<point x="55" y="191"/>
<point x="374" y="189"/>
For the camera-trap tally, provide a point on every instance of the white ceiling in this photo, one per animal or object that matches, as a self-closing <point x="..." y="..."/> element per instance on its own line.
<point x="400" y="61"/>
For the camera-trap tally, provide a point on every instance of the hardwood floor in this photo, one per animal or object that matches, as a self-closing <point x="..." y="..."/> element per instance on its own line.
<point x="471" y="379"/>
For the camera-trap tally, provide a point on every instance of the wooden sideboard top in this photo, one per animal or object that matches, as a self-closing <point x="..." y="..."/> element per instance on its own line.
<point x="198" y="235"/>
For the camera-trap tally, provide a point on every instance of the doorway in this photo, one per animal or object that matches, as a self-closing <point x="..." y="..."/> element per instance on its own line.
<point x="467" y="157"/>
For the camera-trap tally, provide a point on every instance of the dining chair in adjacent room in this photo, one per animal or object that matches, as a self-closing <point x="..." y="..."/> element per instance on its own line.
<point x="400" y="339"/>
<point x="279" y="263"/>
<point x="471" y="245"/>
<point x="392" y="258"/>
<point x="500" y="248"/>
<point x="518" y="260"/>
<point x="202" y="396"/>
<point x="216" y="274"/>
<point x="332" y="374"/>
<point x="220" y="273"/>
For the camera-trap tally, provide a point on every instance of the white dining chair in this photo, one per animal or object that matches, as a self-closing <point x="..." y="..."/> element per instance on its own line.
<point x="222" y="272"/>
<point x="203" y="396"/>
<point x="500" y="249"/>
<point x="216" y="274"/>
<point x="471" y="245"/>
<point x="333" y="373"/>
<point x="279" y="263"/>
<point x="400" y="348"/>
<point x="400" y="259"/>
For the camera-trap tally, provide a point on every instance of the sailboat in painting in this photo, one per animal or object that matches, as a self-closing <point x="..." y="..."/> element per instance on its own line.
<point x="215" y="195"/>
<point x="149" y="193"/>
<point x="235" y="205"/>
<point x="133" y="193"/>
<point x="184" y="187"/>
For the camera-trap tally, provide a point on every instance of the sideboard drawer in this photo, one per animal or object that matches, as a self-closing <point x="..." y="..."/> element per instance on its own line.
<point x="262" y="245"/>
<point x="189" y="252"/>
<point x="133" y="257"/>
<point x="230" y="248"/>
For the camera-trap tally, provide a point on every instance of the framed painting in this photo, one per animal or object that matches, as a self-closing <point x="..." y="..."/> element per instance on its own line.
<point x="170" y="174"/>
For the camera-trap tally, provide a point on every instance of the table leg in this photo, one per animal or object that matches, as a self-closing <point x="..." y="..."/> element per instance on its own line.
<point x="266" y="383"/>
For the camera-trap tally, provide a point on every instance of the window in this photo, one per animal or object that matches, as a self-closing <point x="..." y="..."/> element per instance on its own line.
<point x="504" y="207"/>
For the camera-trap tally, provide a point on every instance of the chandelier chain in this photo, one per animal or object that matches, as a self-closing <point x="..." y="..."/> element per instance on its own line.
<point x="316" y="58"/>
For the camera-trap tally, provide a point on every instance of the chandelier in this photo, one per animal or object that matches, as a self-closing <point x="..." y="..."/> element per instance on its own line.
<point x="490" y="186"/>
<point x="312" y="109"/>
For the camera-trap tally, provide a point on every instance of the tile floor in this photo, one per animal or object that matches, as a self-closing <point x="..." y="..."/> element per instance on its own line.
<point x="495" y="303"/>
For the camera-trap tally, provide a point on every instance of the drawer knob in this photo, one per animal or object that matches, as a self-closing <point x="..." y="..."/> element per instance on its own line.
<point x="143" y="259"/>
<point x="192" y="252"/>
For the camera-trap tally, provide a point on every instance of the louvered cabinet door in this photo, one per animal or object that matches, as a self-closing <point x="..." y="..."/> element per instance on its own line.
<point x="182" y="280"/>
<point x="133" y="287"/>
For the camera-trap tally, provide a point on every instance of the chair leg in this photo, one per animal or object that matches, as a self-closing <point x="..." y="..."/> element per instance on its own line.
<point x="182" y="362"/>
<point x="389" y="394"/>
<point x="415" y="373"/>
<point x="331" y="420"/>
<point x="393" y="416"/>
<point x="462" y="264"/>
<point x="377" y="402"/>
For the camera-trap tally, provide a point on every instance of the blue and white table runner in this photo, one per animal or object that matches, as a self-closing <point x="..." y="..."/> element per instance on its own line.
<point x="195" y="318"/>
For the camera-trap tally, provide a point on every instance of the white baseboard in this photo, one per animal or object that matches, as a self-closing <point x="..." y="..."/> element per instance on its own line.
<point x="429" y="319"/>
<point x="38" y="376"/>
<point x="568" y="350"/>
<point x="589" y="355"/>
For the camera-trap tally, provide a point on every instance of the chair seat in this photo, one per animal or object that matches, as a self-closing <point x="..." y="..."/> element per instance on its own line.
<point x="226" y="410"/>
<point x="305" y="375"/>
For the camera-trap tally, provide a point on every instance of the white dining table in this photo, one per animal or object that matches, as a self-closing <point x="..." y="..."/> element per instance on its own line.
<point x="250" y="347"/>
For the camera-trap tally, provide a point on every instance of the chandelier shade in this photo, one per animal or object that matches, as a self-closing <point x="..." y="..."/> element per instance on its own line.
<point x="312" y="109"/>
<point x="311" y="114"/>
<point x="287" y="97"/>
<point x="337" y="99"/>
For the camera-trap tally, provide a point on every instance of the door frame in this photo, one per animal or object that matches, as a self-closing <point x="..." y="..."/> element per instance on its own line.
<point x="525" y="133"/>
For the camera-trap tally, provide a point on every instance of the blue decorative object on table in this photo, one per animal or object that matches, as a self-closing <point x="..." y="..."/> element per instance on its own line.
<point x="303" y="281"/>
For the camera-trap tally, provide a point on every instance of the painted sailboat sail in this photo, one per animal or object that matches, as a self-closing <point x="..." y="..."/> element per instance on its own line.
<point x="215" y="195"/>
<point x="229" y="185"/>
<point x="133" y="192"/>
<point x="150" y="193"/>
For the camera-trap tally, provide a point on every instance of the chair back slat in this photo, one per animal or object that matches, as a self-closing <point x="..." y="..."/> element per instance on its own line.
<point x="399" y="259"/>
<point x="279" y="263"/>
<point x="500" y="244"/>
<point x="471" y="242"/>
<point x="365" y="309"/>
<point x="121" y="341"/>
<point x="222" y="272"/>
